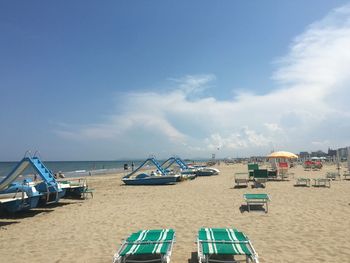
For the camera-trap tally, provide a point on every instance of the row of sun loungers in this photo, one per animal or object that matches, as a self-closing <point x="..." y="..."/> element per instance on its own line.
<point x="319" y="182"/>
<point x="281" y="173"/>
<point x="326" y="182"/>
<point x="259" y="177"/>
<point x="213" y="245"/>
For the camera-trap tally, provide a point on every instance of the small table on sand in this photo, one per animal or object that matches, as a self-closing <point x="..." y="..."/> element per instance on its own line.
<point x="322" y="182"/>
<point x="257" y="199"/>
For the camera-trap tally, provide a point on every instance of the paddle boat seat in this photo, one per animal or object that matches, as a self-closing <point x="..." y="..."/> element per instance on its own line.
<point x="224" y="245"/>
<point x="147" y="246"/>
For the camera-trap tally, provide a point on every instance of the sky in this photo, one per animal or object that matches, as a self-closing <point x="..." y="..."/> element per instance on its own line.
<point x="110" y="80"/>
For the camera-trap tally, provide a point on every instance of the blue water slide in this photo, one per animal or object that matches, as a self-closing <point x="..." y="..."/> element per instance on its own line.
<point x="49" y="184"/>
<point x="35" y="162"/>
<point x="181" y="163"/>
<point x="43" y="171"/>
<point x="172" y="160"/>
<point x="12" y="176"/>
<point x="159" y="167"/>
<point x="152" y="160"/>
<point x="47" y="191"/>
<point x="166" y="164"/>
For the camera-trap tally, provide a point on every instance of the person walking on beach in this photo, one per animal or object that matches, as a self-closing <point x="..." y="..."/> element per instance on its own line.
<point x="132" y="166"/>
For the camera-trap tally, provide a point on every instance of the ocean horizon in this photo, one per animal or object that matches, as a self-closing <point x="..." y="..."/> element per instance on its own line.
<point x="79" y="168"/>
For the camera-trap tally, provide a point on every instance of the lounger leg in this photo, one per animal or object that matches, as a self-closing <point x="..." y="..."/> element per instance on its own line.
<point x="248" y="206"/>
<point x="267" y="207"/>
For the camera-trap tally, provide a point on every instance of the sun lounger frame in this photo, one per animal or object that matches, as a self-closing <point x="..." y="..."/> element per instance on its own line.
<point x="333" y="176"/>
<point x="325" y="182"/>
<point x="303" y="182"/>
<point x="346" y="175"/>
<point x="163" y="258"/>
<point x="241" y="181"/>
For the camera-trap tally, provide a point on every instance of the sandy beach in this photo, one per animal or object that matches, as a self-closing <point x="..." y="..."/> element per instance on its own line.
<point x="304" y="224"/>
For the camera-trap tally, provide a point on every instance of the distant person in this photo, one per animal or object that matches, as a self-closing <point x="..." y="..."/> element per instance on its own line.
<point x="126" y="166"/>
<point x="132" y="166"/>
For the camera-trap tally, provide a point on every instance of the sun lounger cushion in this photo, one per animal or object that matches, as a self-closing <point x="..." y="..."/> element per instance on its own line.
<point x="256" y="197"/>
<point x="262" y="173"/>
<point x="148" y="242"/>
<point x="253" y="166"/>
<point x="223" y="241"/>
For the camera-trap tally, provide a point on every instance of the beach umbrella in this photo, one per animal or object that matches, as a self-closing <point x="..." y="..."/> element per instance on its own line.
<point x="282" y="154"/>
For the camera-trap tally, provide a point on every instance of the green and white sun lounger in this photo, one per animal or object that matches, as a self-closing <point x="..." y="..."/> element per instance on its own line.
<point x="257" y="199"/>
<point x="147" y="246"/>
<point x="224" y="245"/>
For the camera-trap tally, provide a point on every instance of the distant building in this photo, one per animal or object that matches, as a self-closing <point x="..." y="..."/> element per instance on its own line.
<point x="343" y="153"/>
<point x="318" y="153"/>
<point x="304" y="155"/>
<point x="331" y="152"/>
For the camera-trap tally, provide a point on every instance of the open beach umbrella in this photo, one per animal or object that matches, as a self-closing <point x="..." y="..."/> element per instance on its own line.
<point x="282" y="154"/>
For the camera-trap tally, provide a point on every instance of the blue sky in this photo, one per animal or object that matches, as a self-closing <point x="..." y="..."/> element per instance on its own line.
<point x="84" y="80"/>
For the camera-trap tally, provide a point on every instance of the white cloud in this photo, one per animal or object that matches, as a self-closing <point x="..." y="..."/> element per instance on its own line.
<point x="313" y="96"/>
<point x="191" y="85"/>
<point x="273" y="127"/>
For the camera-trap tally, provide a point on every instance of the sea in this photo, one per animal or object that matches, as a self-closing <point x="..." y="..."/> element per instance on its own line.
<point x="75" y="168"/>
<point x="78" y="168"/>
